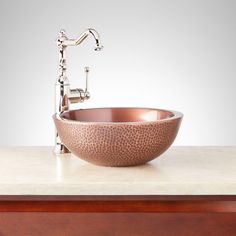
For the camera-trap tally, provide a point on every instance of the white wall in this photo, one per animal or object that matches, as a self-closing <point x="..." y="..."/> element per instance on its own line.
<point x="178" y="55"/>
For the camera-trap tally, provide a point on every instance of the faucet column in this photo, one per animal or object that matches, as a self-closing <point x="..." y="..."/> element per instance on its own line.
<point x="62" y="90"/>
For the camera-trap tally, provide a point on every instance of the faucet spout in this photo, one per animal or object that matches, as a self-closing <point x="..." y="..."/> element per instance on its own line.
<point x="82" y="37"/>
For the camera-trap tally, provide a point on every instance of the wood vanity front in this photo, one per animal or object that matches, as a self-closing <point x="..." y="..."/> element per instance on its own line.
<point x="186" y="191"/>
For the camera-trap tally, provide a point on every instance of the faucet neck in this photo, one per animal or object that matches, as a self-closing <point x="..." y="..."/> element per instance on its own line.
<point x="62" y="55"/>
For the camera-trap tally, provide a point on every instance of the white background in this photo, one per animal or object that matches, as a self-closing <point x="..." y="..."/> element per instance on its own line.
<point x="178" y="55"/>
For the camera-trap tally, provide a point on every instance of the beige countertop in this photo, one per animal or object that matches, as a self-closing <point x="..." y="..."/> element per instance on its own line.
<point x="179" y="171"/>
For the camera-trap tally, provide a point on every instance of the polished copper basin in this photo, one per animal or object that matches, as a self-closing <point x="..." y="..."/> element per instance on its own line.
<point x="118" y="136"/>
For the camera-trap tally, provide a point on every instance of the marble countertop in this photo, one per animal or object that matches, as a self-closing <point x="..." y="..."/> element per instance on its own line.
<point x="179" y="171"/>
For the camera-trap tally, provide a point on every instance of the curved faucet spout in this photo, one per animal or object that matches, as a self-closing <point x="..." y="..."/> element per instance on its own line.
<point x="85" y="34"/>
<point x="82" y="37"/>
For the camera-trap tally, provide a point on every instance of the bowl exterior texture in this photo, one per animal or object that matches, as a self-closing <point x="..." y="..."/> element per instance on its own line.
<point x="117" y="144"/>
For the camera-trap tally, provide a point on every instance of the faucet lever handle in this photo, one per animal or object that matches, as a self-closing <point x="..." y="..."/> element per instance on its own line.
<point x="87" y="94"/>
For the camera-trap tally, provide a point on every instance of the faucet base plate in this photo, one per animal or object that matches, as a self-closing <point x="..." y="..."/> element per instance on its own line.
<point x="61" y="149"/>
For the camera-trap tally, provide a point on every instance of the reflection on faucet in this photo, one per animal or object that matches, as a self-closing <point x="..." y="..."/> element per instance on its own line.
<point x="61" y="166"/>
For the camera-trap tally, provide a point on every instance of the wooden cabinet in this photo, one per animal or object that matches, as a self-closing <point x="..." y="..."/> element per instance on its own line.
<point x="118" y="215"/>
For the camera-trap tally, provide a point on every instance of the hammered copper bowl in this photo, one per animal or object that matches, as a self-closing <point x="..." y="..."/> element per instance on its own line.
<point x="118" y="136"/>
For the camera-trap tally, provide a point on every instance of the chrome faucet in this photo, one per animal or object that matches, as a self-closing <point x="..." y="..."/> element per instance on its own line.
<point x="64" y="95"/>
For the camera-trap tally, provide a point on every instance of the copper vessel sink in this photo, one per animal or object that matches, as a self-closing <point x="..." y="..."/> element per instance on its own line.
<point x="118" y="136"/>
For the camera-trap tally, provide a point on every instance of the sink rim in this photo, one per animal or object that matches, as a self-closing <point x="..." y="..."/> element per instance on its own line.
<point x="176" y="115"/>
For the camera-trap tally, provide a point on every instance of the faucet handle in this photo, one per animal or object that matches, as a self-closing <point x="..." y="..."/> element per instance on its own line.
<point x="87" y="94"/>
<point x="79" y="95"/>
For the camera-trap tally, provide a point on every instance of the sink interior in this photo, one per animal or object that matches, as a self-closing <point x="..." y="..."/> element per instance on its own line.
<point x="117" y="115"/>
